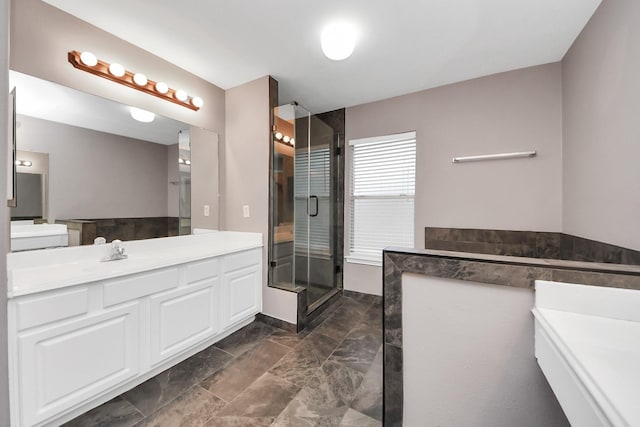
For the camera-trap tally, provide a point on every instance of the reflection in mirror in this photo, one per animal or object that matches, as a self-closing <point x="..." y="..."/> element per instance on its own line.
<point x="106" y="174"/>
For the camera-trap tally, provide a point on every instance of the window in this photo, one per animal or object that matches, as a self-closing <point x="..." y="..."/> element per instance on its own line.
<point x="383" y="177"/>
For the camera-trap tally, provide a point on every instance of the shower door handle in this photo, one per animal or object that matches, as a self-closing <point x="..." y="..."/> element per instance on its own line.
<point x="315" y="211"/>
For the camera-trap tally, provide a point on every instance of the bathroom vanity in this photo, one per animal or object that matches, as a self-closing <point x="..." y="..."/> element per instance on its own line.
<point x="82" y="331"/>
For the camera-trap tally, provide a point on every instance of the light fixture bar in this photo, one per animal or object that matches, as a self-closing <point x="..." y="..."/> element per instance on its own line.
<point x="500" y="156"/>
<point x="101" y="69"/>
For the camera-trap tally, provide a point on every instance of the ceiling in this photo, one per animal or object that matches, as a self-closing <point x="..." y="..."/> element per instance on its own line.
<point x="402" y="46"/>
<point x="49" y="101"/>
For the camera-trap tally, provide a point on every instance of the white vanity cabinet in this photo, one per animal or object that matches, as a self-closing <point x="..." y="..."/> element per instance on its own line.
<point x="76" y="347"/>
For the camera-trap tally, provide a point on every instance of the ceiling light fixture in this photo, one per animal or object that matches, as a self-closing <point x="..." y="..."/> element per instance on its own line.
<point x="86" y="61"/>
<point x="338" y="40"/>
<point x="141" y="115"/>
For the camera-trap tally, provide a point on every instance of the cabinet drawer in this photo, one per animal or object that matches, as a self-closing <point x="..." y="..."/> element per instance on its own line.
<point x="200" y="270"/>
<point x="61" y="366"/>
<point x="242" y="259"/>
<point x="51" y="307"/>
<point x="117" y="291"/>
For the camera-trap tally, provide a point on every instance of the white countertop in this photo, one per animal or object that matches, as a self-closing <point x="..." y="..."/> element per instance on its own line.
<point x="597" y="332"/>
<point x="43" y="270"/>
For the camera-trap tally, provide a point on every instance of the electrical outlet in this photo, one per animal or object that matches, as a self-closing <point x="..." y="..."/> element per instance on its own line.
<point x="206" y="210"/>
<point x="245" y="211"/>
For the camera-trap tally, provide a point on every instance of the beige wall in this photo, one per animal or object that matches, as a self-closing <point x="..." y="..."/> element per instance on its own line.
<point x="245" y="178"/>
<point x="601" y="153"/>
<point x="98" y="175"/>
<point x="471" y="345"/>
<point x="204" y="178"/>
<point x="514" y="111"/>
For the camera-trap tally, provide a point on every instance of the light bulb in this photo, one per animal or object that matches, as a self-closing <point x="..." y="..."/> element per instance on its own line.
<point x="286" y="138"/>
<point x="162" y="87"/>
<point x="116" y="70"/>
<point x="197" y="101"/>
<point x="278" y="135"/>
<point x="18" y="162"/>
<point x="187" y="162"/>
<point x="88" y="59"/>
<point x="141" y="115"/>
<point x="338" y="40"/>
<point x="140" y="79"/>
<point x="181" y="95"/>
<point x="292" y="142"/>
<point x="180" y="160"/>
<point x="26" y="163"/>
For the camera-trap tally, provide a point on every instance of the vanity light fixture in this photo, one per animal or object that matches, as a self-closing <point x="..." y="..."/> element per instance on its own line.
<point x="161" y="87"/>
<point x="26" y="163"/>
<point x="286" y="138"/>
<point x="116" y="70"/>
<point x="141" y="115"/>
<point x="278" y="135"/>
<point x="181" y="95"/>
<point x="292" y="142"/>
<point x="87" y="61"/>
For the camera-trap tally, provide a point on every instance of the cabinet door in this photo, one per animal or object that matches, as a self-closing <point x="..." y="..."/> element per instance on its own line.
<point x="241" y="294"/>
<point x="183" y="317"/>
<point x="63" y="364"/>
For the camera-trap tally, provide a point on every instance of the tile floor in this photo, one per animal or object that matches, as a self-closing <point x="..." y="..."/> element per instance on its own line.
<point x="328" y="375"/>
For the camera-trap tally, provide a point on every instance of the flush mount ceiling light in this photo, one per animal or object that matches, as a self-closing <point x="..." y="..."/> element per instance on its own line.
<point x="338" y="40"/>
<point x="141" y="115"/>
<point x="87" y="61"/>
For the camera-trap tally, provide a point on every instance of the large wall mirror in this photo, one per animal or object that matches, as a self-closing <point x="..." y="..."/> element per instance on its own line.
<point x="85" y="163"/>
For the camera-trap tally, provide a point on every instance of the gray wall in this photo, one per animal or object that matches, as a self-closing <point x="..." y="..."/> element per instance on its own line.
<point x="98" y="175"/>
<point x="469" y="356"/>
<point x="601" y="149"/>
<point x="173" y="176"/>
<point x="204" y="178"/>
<point x="245" y="178"/>
<point x="514" y="111"/>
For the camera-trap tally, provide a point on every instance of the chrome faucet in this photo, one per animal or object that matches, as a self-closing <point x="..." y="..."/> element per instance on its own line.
<point x="117" y="252"/>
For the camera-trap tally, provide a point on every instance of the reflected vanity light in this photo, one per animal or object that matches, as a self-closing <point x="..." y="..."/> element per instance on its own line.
<point x="26" y="163"/>
<point x="184" y="161"/>
<point x="278" y="135"/>
<point x="141" y="115"/>
<point x="87" y="61"/>
<point x="284" y="139"/>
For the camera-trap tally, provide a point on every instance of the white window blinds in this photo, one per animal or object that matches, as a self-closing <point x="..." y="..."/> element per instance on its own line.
<point x="383" y="171"/>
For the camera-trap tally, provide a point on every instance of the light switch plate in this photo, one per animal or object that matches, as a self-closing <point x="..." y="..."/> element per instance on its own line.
<point x="245" y="211"/>
<point x="206" y="210"/>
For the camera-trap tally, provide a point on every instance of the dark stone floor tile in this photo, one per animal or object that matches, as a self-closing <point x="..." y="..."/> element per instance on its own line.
<point x="154" y="393"/>
<point x="245" y="338"/>
<point x="302" y="362"/>
<point x="373" y="317"/>
<point x="244" y="370"/>
<point x="362" y="297"/>
<point x="191" y="409"/>
<point x="368" y="399"/>
<point x="239" y="422"/>
<point x="286" y="338"/>
<point x="357" y="419"/>
<point x="359" y="348"/>
<point x="115" y="413"/>
<point x="352" y="308"/>
<point x="325" y="399"/>
<point x="265" y="398"/>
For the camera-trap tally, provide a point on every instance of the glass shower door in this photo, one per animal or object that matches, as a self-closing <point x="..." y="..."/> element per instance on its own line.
<point x="303" y="204"/>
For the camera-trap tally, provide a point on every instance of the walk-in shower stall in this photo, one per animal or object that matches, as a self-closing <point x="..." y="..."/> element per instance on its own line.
<point x="306" y="204"/>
